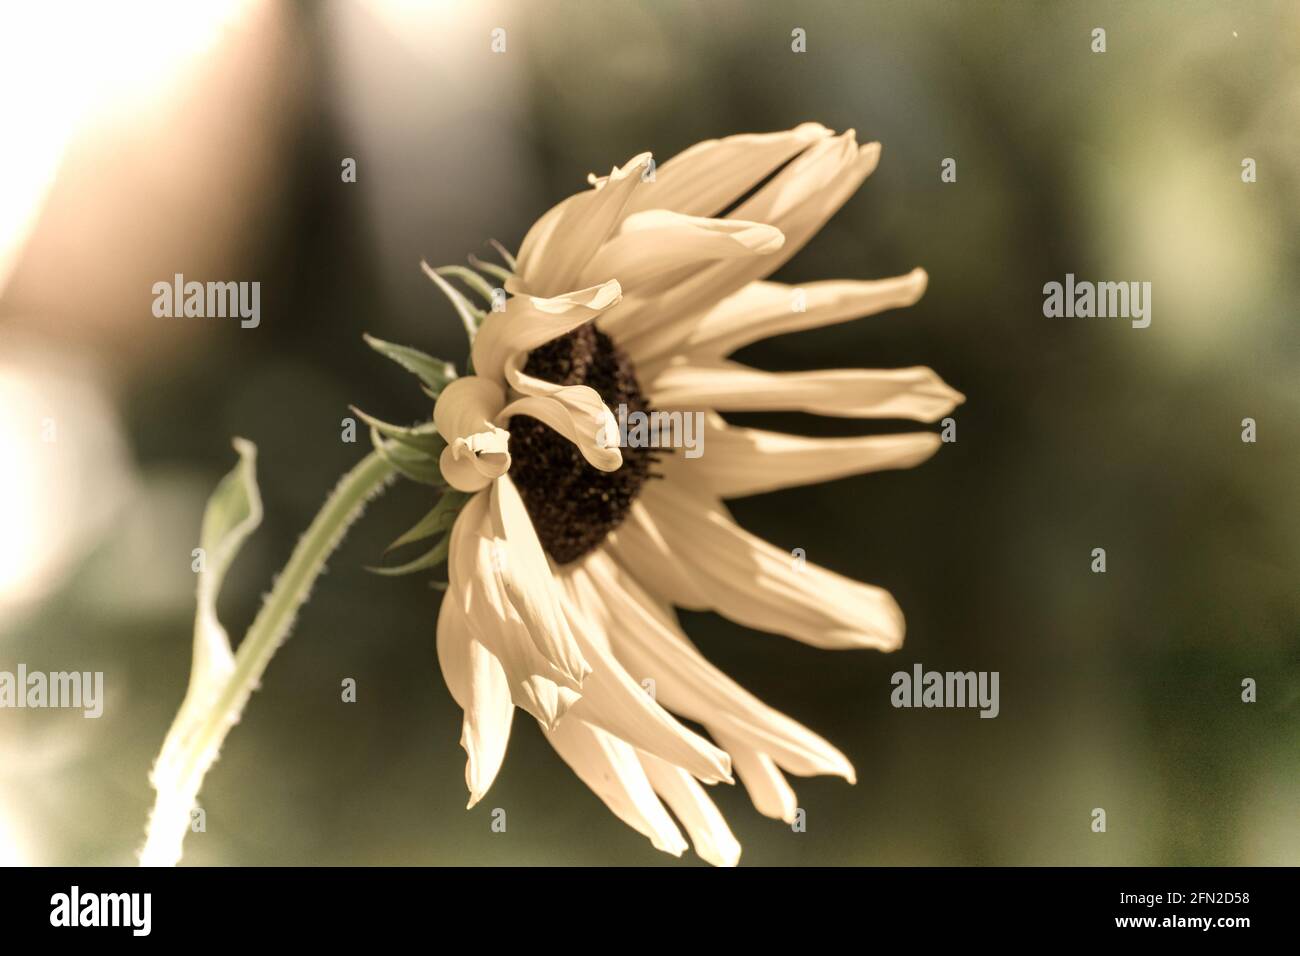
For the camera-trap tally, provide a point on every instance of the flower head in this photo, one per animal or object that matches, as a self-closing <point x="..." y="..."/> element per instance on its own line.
<point x="569" y="556"/>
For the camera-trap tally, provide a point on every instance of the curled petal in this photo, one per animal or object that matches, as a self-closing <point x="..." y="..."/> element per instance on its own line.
<point x="578" y="413"/>
<point x="477" y="450"/>
<point x="505" y="338"/>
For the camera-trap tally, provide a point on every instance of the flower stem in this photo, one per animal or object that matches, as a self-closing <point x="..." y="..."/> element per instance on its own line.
<point x="194" y="739"/>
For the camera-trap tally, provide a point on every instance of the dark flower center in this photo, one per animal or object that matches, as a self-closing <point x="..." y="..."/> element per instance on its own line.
<point x="573" y="504"/>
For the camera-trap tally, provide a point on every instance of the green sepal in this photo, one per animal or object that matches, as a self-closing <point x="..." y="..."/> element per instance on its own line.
<point x="408" y="462"/>
<point x="436" y="555"/>
<point x="423" y="438"/>
<point x="491" y="268"/>
<point x="433" y="372"/>
<point x="505" y="255"/>
<point x="440" y="518"/>
<point x="470" y="317"/>
<point x="471" y="279"/>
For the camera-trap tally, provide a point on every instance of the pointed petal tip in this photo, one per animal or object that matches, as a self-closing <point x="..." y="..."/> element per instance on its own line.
<point x="721" y="856"/>
<point x="676" y="848"/>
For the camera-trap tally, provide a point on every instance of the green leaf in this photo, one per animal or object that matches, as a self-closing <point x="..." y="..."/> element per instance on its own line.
<point x="469" y="316"/>
<point x="433" y="372"/>
<point x="233" y="512"/>
<point x="440" y="518"/>
<point x="423" y="438"/>
<point x="408" y="462"/>
<point x="429" y="559"/>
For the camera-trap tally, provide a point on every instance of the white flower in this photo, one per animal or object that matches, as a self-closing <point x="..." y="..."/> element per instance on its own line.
<point x="567" y="561"/>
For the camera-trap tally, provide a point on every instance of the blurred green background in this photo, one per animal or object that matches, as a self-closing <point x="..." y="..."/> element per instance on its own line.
<point x="1119" y="691"/>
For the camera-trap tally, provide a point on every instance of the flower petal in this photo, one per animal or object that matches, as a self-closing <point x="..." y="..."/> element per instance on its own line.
<point x="529" y="585"/>
<point x="761" y="310"/>
<point x="477" y="450"/>
<point x="579" y="414"/>
<point x="475" y="565"/>
<point x="638" y="543"/>
<point x="915" y="393"/>
<point x="478" y="683"/>
<point x="750" y="461"/>
<point x="505" y="338"/>
<point x="650" y="644"/>
<point x="755" y="584"/>
<point x="611" y="769"/>
<point x="563" y="241"/>
<point x="798" y="200"/>
<point x="615" y="702"/>
<point x="767" y="787"/>
<point x="709" y="176"/>
<point x="710" y="835"/>
<point x="657" y="248"/>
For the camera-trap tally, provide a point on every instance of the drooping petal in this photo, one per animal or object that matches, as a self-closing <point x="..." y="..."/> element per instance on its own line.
<point x="479" y="685"/>
<point x="528" y="583"/>
<point x="476" y="564"/>
<point x="710" y="835"/>
<point x="615" y="702"/>
<point x="767" y="787"/>
<point x="652" y="646"/>
<point x="657" y="248"/>
<point x="801" y="198"/>
<point x="761" y="310"/>
<point x="578" y="413"/>
<point x="755" y="584"/>
<point x="798" y="200"/>
<point x="748" y="461"/>
<point x="916" y="393"/>
<point x="611" y="769"/>
<point x="638" y="543"/>
<point x="709" y="176"/>
<point x="563" y="241"/>
<point x="505" y="338"/>
<point x="477" y="450"/>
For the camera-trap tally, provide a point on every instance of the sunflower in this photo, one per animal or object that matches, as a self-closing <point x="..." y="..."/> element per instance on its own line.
<point x="570" y="551"/>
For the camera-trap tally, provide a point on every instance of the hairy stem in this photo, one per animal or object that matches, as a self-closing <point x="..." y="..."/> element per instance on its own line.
<point x="195" y="737"/>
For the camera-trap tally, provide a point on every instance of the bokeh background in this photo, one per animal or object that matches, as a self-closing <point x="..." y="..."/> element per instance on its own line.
<point x="150" y="138"/>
